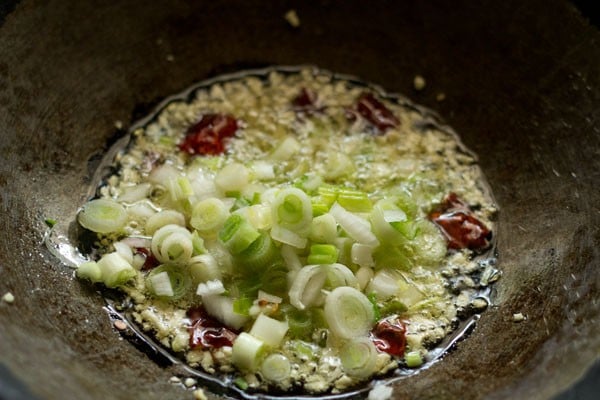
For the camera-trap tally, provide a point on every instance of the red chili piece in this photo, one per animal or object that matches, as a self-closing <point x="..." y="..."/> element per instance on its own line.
<point x="150" y="261"/>
<point x="458" y="224"/>
<point x="389" y="336"/>
<point x="208" y="136"/>
<point x="376" y="112"/>
<point x="306" y="100"/>
<point x="206" y="332"/>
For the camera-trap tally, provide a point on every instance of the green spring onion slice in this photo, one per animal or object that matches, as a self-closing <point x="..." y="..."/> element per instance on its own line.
<point x="103" y="216"/>
<point x="159" y="279"/>
<point x="348" y="312"/>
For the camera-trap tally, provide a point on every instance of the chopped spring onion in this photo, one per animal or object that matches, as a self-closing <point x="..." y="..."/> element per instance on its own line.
<point x="274" y="279"/>
<point x="197" y="244"/>
<point x="263" y="170"/>
<point x="385" y="284"/>
<point x="180" y="188"/>
<point x="358" y="357"/>
<point x="163" y="218"/>
<point x="269" y="330"/>
<point x="348" y="312"/>
<point x="323" y="229"/>
<point x="292" y="210"/>
<point x="242" y="306"/>
<point x="362" y="255"/>
<point x="322" y="254"/>
<point x="382" y="228"/>
<point x="208" y="288"/>
<point x="339" y="275"/>
<point x="286" y="149"/>
<point x="208" y="216"/>
<point x="429" y="245"/>
<point x="89" y="270"/>
<point x="221" y="308"/>
<point x="357" y="228"/>
<point x="161" y="284"/>
<point x="364" y="276"/>
<point x="163" y="174"/>
<point x="102" y="216"/>
<point x="259" y="253"/>
<point x="178" y="279"/>
<point x="276" y="368"/>
<point x="354" y="200"/>
<point x="115" y="270"/>
<point x="172" y="244"/>
<point x="268" y="297"/>
<point x="247" y="352"/>
<point x="286" y="236"/>
<point x="237" y="234"/>
<point x="413" y="359"/>
<point x="307" y="285"/>
<point x="338" y="165"/>
<point x="124" y="251"/>
<point x="259" y="215"/>
<point x="290" y="257"/>
<point x="300" y="322"/>
<point x="233" y="177"/>
<point x="204" y="268"/>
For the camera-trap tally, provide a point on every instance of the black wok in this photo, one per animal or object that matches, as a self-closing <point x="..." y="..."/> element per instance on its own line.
<point x="522" y="86"/>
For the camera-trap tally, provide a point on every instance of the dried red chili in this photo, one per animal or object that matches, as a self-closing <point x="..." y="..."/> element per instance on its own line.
<point x="389" y="336"/>
<point x="150" y="261"/>
<point x="376" y="112"/>
<point x="208" y="136"/>
<point x="305" y="100"/>
<point x="206" y="332"/>
<point x="458" y="224"/>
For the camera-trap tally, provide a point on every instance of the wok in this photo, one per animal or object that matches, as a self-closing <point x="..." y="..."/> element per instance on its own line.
<point x="522" y="86"/>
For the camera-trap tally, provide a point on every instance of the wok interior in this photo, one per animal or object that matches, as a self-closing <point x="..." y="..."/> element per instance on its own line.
<point x="521" y="88"/>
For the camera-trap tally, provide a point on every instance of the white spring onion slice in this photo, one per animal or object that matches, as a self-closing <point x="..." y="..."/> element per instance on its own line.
<point x="285" y="149"/>
<point x="288" y="237"/>
<point x="247" y="351"/>
<point x="340" y="275"/>
<point x="291" y="258"/>
<point x="292" y="210"/>
<point x="209" y="215"/>
<point x="357" y="228"/>
<point x="348" y="312"/>
<point x="132" y="194"/>
<point x="124" y="251"/>
<point x="115" y="270"/>
<point x="161" y="284"/>
<point x="263" y="170"/>
<point x="233" y="177"/>
<point x="102" y="216"/>
<point x="269" y="330"/>
<point x="362" y="255"/>
<point x="163" y="218"/>
<point x="204" y="268"/>
<point x="323" y="229"/>
<point x="162" y="174"/>
<point x="268" y="297"/>
<point x="358" y="357"/>
<point x="306" y="287"/>
<point x="221" y="308"/>
<point x="364" y="276"/>
<point x="89" y="270"/>
<point x="212" y="287"/>
<point x="179" y="281"/>
<point x="276" y="367"/>
<point x="172" y="243"/>
<point x="385" y="284"/>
